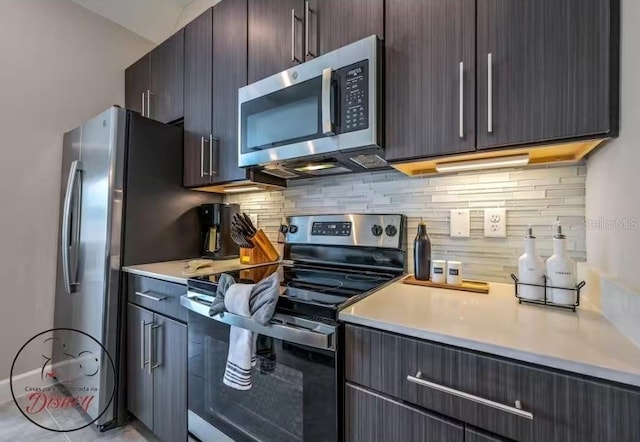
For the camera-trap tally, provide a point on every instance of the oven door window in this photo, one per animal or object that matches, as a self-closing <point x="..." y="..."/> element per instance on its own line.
<point x="293" y="397"/>
<point x="287" y="116"/>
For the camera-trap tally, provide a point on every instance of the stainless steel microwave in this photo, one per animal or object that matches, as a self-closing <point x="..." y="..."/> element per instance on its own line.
<point x="318" y="118"/>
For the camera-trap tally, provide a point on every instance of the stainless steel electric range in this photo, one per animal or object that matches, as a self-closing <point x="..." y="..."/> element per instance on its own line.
<point x="330" y="262"/>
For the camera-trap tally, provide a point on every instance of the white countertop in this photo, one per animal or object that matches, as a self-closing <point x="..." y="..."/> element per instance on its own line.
<point x="172" y="271"/>
<point x="584" y="342"/>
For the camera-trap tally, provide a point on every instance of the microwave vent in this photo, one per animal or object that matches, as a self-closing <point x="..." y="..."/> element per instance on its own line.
<point x="280" y="172"/>
<point x="328" y="171"/>
<point x="369" y="161"/>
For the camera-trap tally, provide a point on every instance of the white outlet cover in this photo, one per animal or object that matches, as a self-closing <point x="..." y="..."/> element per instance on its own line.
<point x="495" y="223"/>
<point x="460" y="224"/>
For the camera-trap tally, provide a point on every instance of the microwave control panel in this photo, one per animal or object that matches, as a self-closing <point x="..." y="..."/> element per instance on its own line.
<point x="354" y="81"/>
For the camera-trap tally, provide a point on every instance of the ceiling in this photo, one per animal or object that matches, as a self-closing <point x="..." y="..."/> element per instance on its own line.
<point x="155" y="20"/>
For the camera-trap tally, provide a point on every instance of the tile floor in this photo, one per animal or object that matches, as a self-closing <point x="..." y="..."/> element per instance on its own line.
<point x="15" y="427"/>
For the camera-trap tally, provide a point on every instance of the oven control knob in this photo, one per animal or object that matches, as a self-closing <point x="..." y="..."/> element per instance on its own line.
<point x="284" y="229"/>
<point x="376" y="230"/>
<point x="293" y="228"/>
<point x="391" y="230"/>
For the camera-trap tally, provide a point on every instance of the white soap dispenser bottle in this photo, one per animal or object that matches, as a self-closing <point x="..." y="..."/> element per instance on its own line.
<point x="561" y="271"/>
<point x="530" y="270"/>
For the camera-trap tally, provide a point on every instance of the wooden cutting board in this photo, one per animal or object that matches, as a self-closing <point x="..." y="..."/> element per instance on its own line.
<point x="467" y="285"/>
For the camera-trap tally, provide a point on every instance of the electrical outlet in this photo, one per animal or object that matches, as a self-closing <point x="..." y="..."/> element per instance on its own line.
<point x="460" y="225"/>
<point x="254" y="219"/>
<point x="495" y="223"/>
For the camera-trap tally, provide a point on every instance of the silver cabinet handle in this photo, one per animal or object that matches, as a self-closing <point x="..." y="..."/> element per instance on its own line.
<point x="148" y="104"/>
<point x="307" y="25"/>
<point x="462" y="99"/>
<point x="143" y="104"/>
<point x="294" y="59"/>
<point x="151" y="297"/>
<point x="213" y="170"/>
<point x="152" y="329"/>
<point x="417" y="379"/>
<point x="143" y="361"/>
<point x="149" y="343"/>
<point x="327" y="123"/>
<point x="490" y="93"/>
<point x="201" y="157"/>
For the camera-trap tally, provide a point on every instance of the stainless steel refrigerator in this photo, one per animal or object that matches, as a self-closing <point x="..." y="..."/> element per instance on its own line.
<point x="121" y="203"/>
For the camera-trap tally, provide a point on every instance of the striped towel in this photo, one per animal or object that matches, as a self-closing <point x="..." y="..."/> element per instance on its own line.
<point x="242" y="342"/>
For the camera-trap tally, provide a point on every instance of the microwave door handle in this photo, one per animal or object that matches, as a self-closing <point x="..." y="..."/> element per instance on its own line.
<point x="327" y="123"/>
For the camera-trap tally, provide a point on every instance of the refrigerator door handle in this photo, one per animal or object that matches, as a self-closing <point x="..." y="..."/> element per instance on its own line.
<point x="68" y="243"/>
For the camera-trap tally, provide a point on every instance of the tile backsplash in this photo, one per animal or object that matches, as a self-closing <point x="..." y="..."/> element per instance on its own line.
<point x="536" y="196"/>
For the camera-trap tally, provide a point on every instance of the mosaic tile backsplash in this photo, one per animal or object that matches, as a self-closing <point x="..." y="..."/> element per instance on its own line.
<point x="536" y="196"/>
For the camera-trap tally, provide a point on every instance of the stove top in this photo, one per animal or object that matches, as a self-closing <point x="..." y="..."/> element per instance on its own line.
<point x="330" y="261"/>
<point x="315" y="291"/>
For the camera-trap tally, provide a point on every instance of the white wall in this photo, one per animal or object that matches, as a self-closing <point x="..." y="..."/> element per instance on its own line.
<point x="613" y="181"/>
<point x="192" y="10"/>
<point x="60" y="64"/>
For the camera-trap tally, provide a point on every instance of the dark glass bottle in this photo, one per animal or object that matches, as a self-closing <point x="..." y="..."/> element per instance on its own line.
<point x="422" y="254"/>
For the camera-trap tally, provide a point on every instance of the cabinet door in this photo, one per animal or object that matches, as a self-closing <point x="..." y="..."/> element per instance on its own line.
<point x="136" y="84"/>
<point x="370" y="417"/>
<point x="544" y="70"/>
<point x="139" y="378"/>
<point x="430" y="78"/>
<point x="331" y="24"/>
<point x="167" y="80"/>
<point x="169" y="357"/>
<point x="198" y="37"/>
<point x="229" y="74"/>
<point x="272" y="24"/>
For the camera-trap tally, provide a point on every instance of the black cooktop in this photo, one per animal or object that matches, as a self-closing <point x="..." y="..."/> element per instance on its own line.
<point x="309" y="290"/>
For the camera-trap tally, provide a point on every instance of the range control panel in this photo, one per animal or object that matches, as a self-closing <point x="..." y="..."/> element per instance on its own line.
<point x="354" y="87"/>
<point x="331" y="229"/>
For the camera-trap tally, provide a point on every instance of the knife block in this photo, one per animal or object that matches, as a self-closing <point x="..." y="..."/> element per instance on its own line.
<point x="263" y="251"/>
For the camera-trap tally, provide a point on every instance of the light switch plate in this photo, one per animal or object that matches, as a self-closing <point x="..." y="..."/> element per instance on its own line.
<point x="495" y="223"/>
<point x="460" y="225"/>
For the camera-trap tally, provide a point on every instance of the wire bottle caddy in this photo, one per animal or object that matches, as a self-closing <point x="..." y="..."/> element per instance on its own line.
<point x="546" y="300"/>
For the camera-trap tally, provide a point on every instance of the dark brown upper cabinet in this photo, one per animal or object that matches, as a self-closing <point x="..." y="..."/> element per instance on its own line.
<point x="215" y="68"/>
<point x="547" y="70"/>
<point x="331" y="24"/>
<point x="137" y="79"/>
<point x="430" y="78"/>
<point x="283" y="33"/>
<point x="154" y="84"/>
<point x="229" y="74"/>
<point x="198" y="68"/>
<point x="276" y="28"/>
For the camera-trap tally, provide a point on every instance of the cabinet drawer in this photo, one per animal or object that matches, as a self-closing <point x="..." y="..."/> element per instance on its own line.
<point x="156" y="295"/>
<point x="483" y="390"/>
<point x="371" y="417"/>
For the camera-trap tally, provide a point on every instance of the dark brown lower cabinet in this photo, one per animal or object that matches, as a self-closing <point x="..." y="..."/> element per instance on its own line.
<point x="465" y="386"/>
<point x="473" y="435"/>
<point x="157" y="373"/>
<point x="371" y="417"/>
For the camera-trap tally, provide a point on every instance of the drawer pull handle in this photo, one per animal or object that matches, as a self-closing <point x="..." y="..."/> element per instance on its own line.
<point x="417" y="379"/>
<point x="151" y="297"/>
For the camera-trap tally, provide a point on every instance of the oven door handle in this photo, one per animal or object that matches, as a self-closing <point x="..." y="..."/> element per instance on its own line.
<point x="286" y="328"/>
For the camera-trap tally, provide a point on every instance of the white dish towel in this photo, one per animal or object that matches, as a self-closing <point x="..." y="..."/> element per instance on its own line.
<point x="242" y="342"/>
